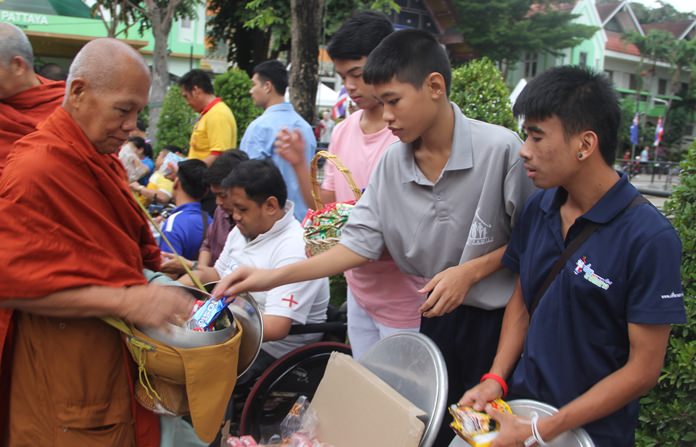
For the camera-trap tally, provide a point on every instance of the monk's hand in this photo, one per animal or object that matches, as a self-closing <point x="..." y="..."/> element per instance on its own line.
<point x="171" y="263"/>
<point x="243" y="279"/>
<point x="514" y="430"/>
<point x="479" y="396"/>
<point x="447" y="290"/>
<point x="290" y="145"/>
<point x="155" y="306"/>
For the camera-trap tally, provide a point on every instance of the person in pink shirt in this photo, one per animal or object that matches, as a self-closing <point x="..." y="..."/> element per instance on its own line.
<point x="381" y="299"/>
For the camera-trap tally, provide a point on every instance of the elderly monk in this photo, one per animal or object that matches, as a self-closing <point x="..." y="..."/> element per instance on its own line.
<point x="74" y="247"/>
<point x="26" y="99"/>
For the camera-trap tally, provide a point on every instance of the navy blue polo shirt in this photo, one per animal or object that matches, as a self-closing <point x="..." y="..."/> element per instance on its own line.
<point x="628" y="271"/>
<point x="184" y="229"/>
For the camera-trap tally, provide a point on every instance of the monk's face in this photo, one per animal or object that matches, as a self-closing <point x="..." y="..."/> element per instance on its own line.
<point x="12" y="77"/>
<point x="109" y="113"/>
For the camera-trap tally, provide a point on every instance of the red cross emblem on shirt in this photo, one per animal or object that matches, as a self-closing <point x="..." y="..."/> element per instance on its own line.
<point x="290" y="300"/>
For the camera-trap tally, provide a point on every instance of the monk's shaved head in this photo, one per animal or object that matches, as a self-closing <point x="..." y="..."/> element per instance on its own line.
<point x="103" y="61"/>
<point x="108" y="85"/>
<point x="13" y="42"/>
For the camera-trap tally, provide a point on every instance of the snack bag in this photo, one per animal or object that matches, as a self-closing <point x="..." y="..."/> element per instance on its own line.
<point x="206" y="314"/>
<point x="476" y="427"/>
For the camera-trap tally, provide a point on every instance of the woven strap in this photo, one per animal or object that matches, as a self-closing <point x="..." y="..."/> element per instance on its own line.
<point x="333" y="159"/>
<point x="586" y="232"/>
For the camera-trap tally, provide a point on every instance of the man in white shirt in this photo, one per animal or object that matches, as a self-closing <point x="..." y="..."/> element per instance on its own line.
<point x="266" y="235"/>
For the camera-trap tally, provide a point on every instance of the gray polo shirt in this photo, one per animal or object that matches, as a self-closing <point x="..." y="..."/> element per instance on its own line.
<point x="468" y="212"/>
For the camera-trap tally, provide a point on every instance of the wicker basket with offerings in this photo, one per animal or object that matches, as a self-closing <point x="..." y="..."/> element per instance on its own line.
<point x="322" y="226"/>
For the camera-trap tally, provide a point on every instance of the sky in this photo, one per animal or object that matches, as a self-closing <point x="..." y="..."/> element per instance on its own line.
<point x="679" y="5"/>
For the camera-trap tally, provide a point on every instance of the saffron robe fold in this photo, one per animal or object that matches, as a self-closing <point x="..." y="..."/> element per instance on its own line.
<point x="69" y="220"/>
<point x="21" y="113"/>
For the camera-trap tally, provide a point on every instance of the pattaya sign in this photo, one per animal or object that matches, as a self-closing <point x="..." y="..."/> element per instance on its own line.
<point x="23" y="18"/>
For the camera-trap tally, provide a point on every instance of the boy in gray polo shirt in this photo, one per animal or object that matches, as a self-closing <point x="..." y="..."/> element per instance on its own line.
<point x="442" y="201"/>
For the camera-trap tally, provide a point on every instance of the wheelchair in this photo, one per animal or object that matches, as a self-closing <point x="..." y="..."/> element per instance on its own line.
<point x="259" y="410"/>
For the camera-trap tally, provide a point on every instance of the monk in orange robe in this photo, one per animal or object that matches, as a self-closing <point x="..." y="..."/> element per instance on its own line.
<point x="74" y="246"/>
<point x="26" y="99"/>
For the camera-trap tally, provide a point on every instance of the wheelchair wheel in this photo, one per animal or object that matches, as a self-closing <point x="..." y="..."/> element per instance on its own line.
<point x="295" y="374"/>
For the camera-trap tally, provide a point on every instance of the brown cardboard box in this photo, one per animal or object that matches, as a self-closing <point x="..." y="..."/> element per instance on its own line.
<point x="356" y="408"/>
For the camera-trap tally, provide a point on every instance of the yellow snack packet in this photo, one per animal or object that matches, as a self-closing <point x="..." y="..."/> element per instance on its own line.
<point x="476" y="427"/>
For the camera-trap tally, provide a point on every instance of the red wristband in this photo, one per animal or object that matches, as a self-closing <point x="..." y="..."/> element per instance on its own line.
<point x="498" y="379"/>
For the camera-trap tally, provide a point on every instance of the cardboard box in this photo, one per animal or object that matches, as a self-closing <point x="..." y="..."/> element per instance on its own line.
<point x="357" y="408"/>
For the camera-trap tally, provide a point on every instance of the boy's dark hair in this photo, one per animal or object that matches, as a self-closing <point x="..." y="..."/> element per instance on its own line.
<point x="409" y="56"/>
<point x="196" y="78"/>
<point x="147" y="149"/>
<point x="359" y="35"/>
<point x="274" y="72"/>
<point x="223" y="165"/>
<point x="190" y="175"/>
<point x="173" y="148"/>
<point x="260" y="179"/>
<point x="580" y="98"/>
<point x="137" y="142"/>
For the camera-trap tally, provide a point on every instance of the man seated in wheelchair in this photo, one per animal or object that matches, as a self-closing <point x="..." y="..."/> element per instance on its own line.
<point x="267" y="235"/>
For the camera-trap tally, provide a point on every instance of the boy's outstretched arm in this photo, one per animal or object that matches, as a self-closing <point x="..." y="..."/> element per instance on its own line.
<point x="449" y="287"/>
<point x="336" y="260"/>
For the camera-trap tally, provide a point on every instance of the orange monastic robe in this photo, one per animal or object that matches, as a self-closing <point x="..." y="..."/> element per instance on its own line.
<point x="69" y="220"/>
<point x="21" y="113"/>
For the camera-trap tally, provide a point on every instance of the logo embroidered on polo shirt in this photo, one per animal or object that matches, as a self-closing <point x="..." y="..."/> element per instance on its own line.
<point x="479" y="231"/>
<point x="672" y="296"/>
<point x="581" y="266"/>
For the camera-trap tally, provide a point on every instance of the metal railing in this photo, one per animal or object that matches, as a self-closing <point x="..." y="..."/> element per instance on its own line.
<point x="652" y="177"/>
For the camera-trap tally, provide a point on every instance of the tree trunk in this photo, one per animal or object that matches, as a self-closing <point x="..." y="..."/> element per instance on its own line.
<point x="304" y="55"/>
<point x="161" y="20"/>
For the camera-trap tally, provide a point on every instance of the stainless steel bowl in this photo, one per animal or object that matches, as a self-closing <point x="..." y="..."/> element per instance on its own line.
<point x="180" y="337"/>
<point x="246" y="312"/>
<point x="525" y="408"/>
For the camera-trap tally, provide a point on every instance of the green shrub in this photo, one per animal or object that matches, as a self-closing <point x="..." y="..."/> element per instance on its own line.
<point x="175" y="121"/>
<point x="479" y="90"/>
<point x="233" y="87"/>
<point x="668" y="413"/>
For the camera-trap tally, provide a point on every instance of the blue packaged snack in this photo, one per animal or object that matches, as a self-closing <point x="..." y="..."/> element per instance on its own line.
<point x="206" y="314"/>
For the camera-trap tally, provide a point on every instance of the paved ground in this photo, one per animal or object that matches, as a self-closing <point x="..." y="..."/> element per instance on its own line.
<point x="655" y="188"/>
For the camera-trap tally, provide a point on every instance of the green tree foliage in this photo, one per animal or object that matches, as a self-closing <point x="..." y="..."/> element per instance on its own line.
<point x="664" y="13"/>
<point x="176" y="120"/>
<point x="258" y="30"/>
<point x="479" y="90"/>
<point x="503" y="30"/>
<point x="668" y="413"/>
<point x="233" y="87"/>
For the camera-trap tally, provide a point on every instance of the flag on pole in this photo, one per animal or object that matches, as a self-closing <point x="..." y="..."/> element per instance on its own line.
<point x="634" y="130"/>
<point x="339" y="109"/>
<point x="659" y="132"/>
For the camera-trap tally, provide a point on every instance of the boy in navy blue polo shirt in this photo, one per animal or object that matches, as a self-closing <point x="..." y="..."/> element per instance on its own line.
<point x="597" y="339"/>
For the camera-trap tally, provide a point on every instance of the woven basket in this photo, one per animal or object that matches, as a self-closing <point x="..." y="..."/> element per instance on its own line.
<point x="322" y="228"/>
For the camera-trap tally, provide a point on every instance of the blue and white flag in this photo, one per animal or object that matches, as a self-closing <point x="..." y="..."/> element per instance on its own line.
<point x="634" y="130"/>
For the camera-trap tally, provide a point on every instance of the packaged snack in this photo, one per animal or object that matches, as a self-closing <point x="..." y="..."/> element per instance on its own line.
<point x="476" y="427"/>
<point x="206" y="314"/>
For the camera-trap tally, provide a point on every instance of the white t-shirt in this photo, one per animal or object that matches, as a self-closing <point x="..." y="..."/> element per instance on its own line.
<point x="303" y="302"/>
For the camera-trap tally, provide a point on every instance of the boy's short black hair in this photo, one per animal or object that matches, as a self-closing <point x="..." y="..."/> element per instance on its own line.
<point x="138" y="142"/>
<point x="173" y="148"/>
<point x="581" y="99"/>
<point x="409" y="56"/>
<point x="223" y="165"/>
<point x="260" y="179"/>
<point x="274" y="72"/>
<point x="190" y="175"/>
<point x="197" y="78"/>
<point x="359" y="35"/>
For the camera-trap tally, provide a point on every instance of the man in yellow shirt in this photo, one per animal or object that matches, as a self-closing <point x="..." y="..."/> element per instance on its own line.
<point x="215" y="130"/>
